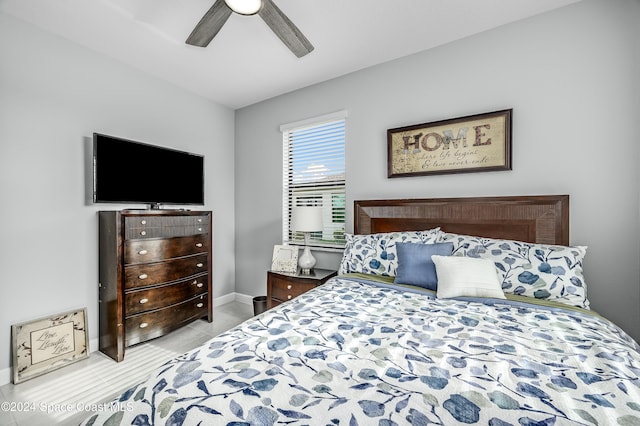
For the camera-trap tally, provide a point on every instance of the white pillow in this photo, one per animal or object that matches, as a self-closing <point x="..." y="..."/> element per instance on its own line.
<point x="467" y="276"/>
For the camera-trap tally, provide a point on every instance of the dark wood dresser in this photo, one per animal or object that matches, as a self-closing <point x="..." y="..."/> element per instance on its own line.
<point x="155" y="274"/>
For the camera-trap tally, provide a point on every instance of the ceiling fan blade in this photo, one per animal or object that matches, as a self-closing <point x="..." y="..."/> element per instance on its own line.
<point x="282" y="26"/>
<point x="210" y="24"/>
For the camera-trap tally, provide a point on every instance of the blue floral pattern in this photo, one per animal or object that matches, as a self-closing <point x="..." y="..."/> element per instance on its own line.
<point x="376" y="253"/>
<point x="351" y="353"/>
<point x="534" y="270"/>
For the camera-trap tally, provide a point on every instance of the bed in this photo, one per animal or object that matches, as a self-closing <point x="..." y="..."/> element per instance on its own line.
<point x="414" y="331"/>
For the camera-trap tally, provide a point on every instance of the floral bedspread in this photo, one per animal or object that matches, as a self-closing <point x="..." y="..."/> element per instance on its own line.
<point x="351" y="353"/>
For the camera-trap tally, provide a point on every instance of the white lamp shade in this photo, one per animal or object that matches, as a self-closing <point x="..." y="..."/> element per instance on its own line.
<point x="306" y="219"/>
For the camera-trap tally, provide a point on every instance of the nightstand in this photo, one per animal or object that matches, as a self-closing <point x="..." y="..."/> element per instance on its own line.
<point x="283" y="286"/>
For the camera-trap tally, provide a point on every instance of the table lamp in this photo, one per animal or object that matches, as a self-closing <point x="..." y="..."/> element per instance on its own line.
<point x="306" y="219"/>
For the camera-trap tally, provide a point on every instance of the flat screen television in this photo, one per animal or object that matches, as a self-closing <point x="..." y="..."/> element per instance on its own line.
<point x="126" y="171"/>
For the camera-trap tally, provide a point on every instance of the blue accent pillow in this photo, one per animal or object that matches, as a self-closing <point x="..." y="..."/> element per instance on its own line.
<point x="415" y="266"/>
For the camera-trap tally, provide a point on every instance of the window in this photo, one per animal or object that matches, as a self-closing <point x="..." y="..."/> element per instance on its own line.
<point x="314" y="175"/>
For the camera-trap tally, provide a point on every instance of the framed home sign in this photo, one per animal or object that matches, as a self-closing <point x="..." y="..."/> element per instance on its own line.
<point x="49" y="343"/>
<point x="475" y="143"/>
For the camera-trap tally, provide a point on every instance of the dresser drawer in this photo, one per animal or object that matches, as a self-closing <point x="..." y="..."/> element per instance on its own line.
<point x="139" y="301"/>
<point x="145" y="251"/>
<point x="150" y="325"/>
<point x="142" y="227"/>
<point x="283" y="286"/>
<point x="163" y="272"/>
<point x="286" y="290"/>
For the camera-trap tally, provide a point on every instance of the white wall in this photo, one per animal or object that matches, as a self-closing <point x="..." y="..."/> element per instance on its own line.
<point x="571" y="78"/>
<point x="53" y="96"/>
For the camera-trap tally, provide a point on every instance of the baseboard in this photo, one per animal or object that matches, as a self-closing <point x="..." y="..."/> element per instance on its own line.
<point x="233" y="297"/>
<point x="227" y="298"/>
<point x="5" y="374"/>
<point x="243" y="298"/>
<point x="93" y="344"/>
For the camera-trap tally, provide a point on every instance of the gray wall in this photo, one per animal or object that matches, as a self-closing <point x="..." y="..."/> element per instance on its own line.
<point x="53" y="96"/>
<point x="571" y="78"/>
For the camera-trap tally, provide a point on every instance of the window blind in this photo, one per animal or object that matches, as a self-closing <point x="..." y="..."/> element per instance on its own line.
<point x="314" y="175"/>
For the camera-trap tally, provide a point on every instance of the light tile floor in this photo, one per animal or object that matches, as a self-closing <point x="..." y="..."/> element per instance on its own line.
<point x="54" y="398"/>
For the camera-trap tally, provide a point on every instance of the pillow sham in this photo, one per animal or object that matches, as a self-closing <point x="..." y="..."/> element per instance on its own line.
<point x="415" y="266"/>
<point x="467" y="276"/>
<point x="376" y="253"/>
<point x="527" y="269"/>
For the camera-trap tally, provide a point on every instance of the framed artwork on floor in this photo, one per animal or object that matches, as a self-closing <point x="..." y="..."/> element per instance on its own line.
<point x="49" y="343"/>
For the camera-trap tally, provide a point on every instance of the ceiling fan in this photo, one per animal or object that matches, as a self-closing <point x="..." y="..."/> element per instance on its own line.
<point x="217" y="15"/>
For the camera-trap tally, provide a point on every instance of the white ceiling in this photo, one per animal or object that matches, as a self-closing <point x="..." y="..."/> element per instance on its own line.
<point x="246" y="63"/>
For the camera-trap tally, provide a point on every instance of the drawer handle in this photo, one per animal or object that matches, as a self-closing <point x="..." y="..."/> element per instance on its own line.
<point x="199" y="265"/>
<point x="199" y="245"/>
<point x="199" y="220"/>
<point x="143" y="252"/>
<point x="144" y="325"/>
<point x="143" y="276"/>
<point x="143" y="232"/>
<point x="289" y="287"/>
<point x="199" y="229"/>
<point x="289" y="297"/>
<point x="200" y="305"/>
<point x="144" y="300"/>
<point x="199" y="285"/>
<point x="143" y="222"/>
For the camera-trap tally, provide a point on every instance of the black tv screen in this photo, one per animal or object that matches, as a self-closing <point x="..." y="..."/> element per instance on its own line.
<point x="126" y="171"/>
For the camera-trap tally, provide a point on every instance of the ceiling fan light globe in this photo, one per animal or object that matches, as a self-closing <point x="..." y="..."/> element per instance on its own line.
<point x="244" y="7"/>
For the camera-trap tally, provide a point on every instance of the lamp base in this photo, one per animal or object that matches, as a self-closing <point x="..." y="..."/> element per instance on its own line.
<point x="306" y="261"/>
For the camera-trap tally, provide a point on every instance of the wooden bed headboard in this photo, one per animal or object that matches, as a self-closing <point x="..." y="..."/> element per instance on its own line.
<point x="536" y="219"/>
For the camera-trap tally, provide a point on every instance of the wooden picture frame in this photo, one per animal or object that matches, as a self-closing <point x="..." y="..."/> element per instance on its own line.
<point x="285" y="258"/>
<point x="49" y="343"/>
<point x="475" y="143"/>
